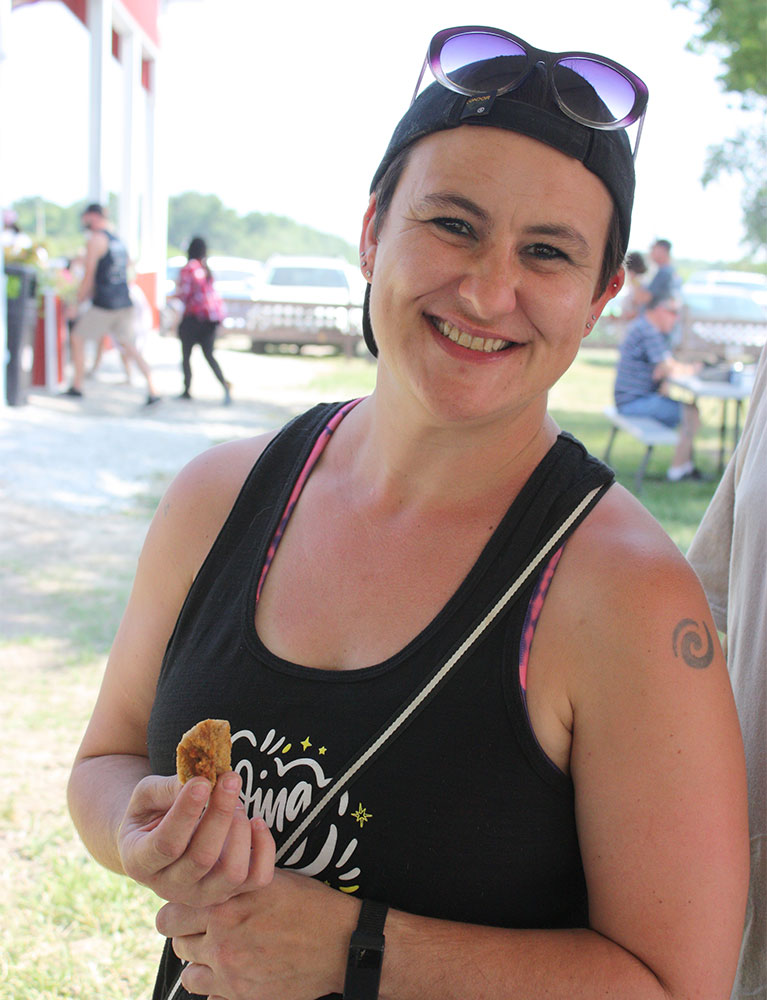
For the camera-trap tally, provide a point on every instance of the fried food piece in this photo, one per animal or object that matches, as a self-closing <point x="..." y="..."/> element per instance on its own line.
<point x="205" y="749"/>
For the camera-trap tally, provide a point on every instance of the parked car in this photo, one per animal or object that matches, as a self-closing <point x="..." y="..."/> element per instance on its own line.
<point x="307" y="300"/>
<point x="721" y="321"/>
<point x="236" y="278"/>
<point x="749" y="283"/>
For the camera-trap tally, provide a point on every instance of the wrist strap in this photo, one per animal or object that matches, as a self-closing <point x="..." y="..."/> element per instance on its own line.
<point x="366" y="952"/>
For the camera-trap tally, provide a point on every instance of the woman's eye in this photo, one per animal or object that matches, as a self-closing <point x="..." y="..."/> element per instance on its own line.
<point x="456" y="226"/>
<point x="544" y="251"/>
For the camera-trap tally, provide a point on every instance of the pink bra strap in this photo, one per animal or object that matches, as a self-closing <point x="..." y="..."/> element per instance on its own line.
<point x="314" y="455"/>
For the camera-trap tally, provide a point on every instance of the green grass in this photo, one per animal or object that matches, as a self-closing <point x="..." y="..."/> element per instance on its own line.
<point x="577" y="403"/>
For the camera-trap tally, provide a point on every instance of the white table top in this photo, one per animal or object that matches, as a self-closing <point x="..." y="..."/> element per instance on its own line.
<point x="716" y="388"/>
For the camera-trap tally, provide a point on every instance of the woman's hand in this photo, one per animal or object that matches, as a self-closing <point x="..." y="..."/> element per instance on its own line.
<point x="288" y="941"/>
<point x="192" y="843"/>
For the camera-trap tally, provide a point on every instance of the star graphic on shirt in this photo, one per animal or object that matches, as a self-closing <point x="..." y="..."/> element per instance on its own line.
<point x="362" y="815"/>
<point x="322" y="751"/>
<point x="306" y="743"/>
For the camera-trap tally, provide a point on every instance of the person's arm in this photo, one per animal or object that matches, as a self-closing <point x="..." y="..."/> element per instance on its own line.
<point x="670" y="367"/>
<point x="657" y="764"/>
<point x="97" y="247"/>
<point x="146" y="826"/>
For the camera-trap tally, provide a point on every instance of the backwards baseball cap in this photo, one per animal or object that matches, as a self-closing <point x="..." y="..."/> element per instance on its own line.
<point x="530" y="109"/>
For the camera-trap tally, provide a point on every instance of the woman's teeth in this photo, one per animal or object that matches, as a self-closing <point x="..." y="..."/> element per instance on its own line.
<point x="464" y="339"/>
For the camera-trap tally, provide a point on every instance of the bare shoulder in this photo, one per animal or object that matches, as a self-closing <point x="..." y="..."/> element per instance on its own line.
<point x="622" y="556"/>
<point x="200" y="498"/>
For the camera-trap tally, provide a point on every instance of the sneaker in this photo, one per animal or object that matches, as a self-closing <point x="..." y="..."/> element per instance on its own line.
<point x="184" y="395"/>
<point x="150" y="400"/>
<point x="71" y="391"/>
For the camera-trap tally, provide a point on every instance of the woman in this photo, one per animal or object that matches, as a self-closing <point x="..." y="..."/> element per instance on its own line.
<point x="203" y="311"/>
<point x="565" y="814"/>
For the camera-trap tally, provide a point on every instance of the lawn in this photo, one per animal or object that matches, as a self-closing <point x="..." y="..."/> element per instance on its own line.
<point x="70" y="928"/>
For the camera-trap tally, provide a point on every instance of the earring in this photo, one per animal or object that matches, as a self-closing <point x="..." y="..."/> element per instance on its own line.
<point x="588" y="326"/>
<point x="368" y="274"/>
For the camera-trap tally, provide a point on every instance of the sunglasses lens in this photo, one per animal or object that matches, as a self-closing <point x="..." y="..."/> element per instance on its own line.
<point x="593" y="91"/>
<point x="479" y="61"/>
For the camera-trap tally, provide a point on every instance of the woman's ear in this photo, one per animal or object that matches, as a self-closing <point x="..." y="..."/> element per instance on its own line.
<point x="368" y="239"/>
<point x="613" y="287"/>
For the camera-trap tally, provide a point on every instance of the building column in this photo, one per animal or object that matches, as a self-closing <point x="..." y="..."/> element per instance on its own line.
<point x="133" y="170"/>
<point x="99" y="21"/>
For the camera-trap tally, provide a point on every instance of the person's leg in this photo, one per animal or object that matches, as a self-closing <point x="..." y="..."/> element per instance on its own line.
<point x="77" y="354"/>
<point x="89" y="326"/>
<point x="207" y="341"/>
<point x="123" y="333"/>
<point x="187" y="334"/>
<point x="683" y="458"/>
<point x="672" y="413"/>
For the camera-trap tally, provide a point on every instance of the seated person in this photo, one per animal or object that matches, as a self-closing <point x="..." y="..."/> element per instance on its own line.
<point x="645" y="362"/>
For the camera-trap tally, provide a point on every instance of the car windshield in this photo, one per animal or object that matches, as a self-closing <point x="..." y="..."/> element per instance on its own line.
<point x="315" y="277"/>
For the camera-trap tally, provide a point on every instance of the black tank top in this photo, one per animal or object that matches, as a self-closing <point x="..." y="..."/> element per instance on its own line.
<point x="463" y="817"/>
<point x="110" y="289"/>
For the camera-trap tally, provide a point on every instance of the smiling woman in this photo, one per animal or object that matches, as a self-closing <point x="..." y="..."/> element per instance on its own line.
<point x="439" y="563"/>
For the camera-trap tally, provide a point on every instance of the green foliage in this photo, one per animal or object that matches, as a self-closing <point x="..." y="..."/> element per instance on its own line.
<point x="745" y="154"/>
<point x="738" y="30"/>
<point x="254" y="235"/>
<point x="740" y="27"/>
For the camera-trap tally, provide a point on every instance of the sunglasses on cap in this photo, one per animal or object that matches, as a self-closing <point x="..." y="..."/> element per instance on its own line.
<point x="590" y="89"/>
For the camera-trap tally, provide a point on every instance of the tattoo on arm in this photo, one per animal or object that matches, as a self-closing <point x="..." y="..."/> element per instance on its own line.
<point x="689" y="643"/>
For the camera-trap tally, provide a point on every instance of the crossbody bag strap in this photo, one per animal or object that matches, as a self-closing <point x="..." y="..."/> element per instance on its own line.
<point x="423" y="694"/>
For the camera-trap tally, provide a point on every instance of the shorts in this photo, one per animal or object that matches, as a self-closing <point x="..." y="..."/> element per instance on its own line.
<point x="666" y="411"/>
<point x="96" y="323"/>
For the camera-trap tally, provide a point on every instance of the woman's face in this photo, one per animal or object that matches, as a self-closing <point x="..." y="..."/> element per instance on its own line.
<point x="485" y="272"/>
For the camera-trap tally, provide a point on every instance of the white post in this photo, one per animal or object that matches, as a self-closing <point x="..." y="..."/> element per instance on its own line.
<point x="5" y="27"/>
<point x="132" y="143"/>
<point x="99" y="21"/>
<point x="50" y="342"/>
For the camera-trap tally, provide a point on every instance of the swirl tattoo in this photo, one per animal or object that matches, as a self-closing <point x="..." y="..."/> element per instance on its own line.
<point x="688" y="643"/>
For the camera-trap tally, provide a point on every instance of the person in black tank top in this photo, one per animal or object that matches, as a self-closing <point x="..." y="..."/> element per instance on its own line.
<point x="562" y="813"/>
<point x="110" y="313"/>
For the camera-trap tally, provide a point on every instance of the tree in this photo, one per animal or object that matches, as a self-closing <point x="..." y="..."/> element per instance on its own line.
<point x="738" y="28"/>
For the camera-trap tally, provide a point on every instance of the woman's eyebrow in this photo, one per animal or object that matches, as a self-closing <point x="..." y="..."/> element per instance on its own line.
<point x="446" y="201"/>
<point x="561" y="232"/>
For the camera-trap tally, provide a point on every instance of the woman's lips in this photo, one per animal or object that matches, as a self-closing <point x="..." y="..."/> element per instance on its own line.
<point x="485" y="345"/>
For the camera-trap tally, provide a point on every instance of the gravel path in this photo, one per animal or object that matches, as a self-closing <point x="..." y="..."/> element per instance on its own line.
<point x="79" y="479"/>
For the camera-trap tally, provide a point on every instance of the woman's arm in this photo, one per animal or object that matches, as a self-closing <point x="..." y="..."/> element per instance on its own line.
<point x="131" y="821"/>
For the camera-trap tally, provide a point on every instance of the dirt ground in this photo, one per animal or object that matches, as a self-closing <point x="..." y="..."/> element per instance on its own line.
<point x="79" y="479"/>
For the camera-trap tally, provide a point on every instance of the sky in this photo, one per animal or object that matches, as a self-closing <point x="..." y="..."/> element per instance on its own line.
<point x="288" y="107"/>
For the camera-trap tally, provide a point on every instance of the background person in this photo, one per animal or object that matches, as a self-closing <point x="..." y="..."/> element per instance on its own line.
<point x="105" y="283"/>
<point x="728" y="555"/>
<point x="203" y="311"/>
<point x="566" y="816"/>
<point x="644" y="364"/>
<point x="636" y="268"/>
<point x="665" y="283"/>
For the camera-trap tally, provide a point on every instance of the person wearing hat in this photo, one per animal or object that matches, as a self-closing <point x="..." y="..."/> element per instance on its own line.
<point x="479" y="713"/>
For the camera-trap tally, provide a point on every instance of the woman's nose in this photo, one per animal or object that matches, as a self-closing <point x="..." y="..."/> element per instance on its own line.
<point x="490" y="285"/>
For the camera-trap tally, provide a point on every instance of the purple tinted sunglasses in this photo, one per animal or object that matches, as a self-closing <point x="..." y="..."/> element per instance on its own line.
<point x="590" y="89"/>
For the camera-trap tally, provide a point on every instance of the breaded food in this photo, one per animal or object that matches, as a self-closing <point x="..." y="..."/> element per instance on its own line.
<point x="206" y="749"/>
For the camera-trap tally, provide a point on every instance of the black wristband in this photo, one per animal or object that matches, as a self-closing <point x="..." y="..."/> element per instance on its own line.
<point x="366" y="950"/>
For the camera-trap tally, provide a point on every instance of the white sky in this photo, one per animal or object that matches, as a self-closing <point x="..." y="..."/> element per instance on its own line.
<point x="288" y="107"/>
